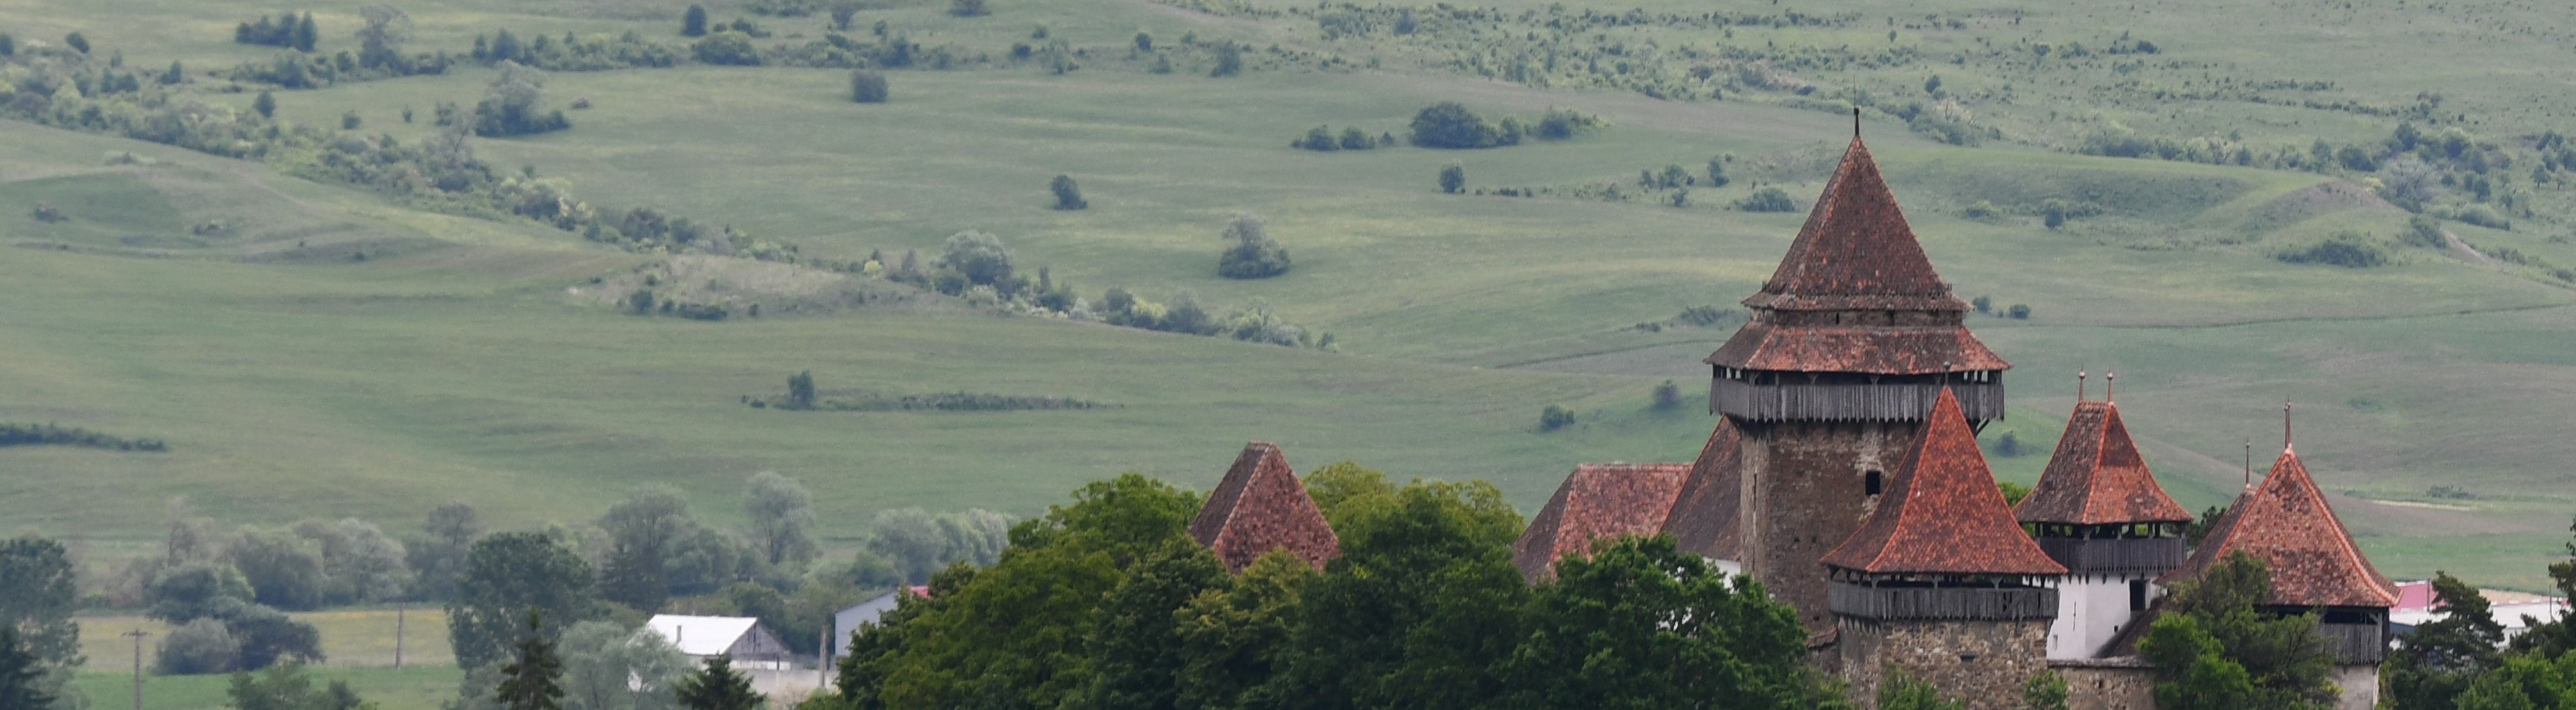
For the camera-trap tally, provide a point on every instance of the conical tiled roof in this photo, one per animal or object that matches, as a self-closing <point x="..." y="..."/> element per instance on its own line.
<point x="1706" y="516"/>
<point x="2097" y="477"/>
<point x="1942" y="514"/>
<point x="1259" y="507"/>
<point x="1598" y="500"/>
<point x="2286" y="523"/>
<point x="1856" y="252"/>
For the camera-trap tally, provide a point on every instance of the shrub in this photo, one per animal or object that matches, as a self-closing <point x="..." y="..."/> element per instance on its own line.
<point x="694" y="22"/>
<point x="2483" y="216"/>
<point x="1668" y="395"/>
<point x="80" y="44"/>
<point x="978" y="257"/>
<point x="2345" y="249"/>
<point x="195" y="648"/>
<point x="48" y="214"/>
<point x="514" y="104"/>
<point x="1769" y="199"/>
<point x="1453" y="178"/>
<point x="1560" y="124"/>
<point x="2018" y="311"/>
<point x="1229" y="60"/>
<point x="1144" y="42"/>
<point x="266" y="104"/>
<point x="1983" y="304"/>
<point x="1703" y="315"/>
<point x="1319" y="138"/>
<point x="1068" y="195"/>
<point x="843" y="13"/>
<point x="727" y="47"/>
<point x="968" y="8"/>
<point x="1354" y="139"/>
<point x="1449" y="124"/>
<point x="1982" y="210"/>
<point x="349" y="120"/>
<point x="1555" y="417"/>
<point x="1717" y="172"/>
<point x="2425" y="231"/>
<point x="2009" y="446"/>
<point x="867" y="87"/>
<point x="1254" y="254"/>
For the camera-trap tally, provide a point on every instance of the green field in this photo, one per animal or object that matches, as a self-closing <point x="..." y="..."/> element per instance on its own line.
<point x="351" y="638"/>
<point x="389" y="689"/>
<point x="474" y="359"/>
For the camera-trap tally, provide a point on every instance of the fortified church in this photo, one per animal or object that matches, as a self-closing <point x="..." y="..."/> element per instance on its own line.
<point x="1844" y="474"/>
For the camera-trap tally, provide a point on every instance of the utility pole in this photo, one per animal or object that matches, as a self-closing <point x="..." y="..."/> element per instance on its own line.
<point x="138" y="635"/>
<point x="823" y="656"/>
<point x="398" y="632"/>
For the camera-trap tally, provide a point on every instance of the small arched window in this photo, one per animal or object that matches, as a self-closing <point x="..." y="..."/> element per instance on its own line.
<point x="1874" y="483"/>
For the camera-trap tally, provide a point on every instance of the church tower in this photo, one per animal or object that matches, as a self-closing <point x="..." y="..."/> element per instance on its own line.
<point x="1829" y="381"/>
<point x="1940" y="583"/>
<point x="2098" y="511"/>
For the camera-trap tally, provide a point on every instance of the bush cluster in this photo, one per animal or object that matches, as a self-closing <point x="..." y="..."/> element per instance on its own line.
<point x="1768" y="199"/>
<point x="1254" y="254"/>
<point x="51" y="435"/>
<point x="868" y="86"/>
<point x="286" y="30"/>
<point x="1451" y="125"/>
<point x="598" y="52"/>
<point x="1322" y="139"/>
<point x="1555" y="417"/>
<point x="2351" y="250"/>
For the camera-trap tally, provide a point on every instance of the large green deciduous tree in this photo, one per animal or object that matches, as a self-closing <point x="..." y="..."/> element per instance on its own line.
<point x="507" y="577"/>
<point x="1135" y="644"/>
<point x="1421" y="609"/>
<point x="781" y="510"/>
<point x="608" y="666"/>
<point x="1231" y="637"/>
<point x="1642" y="624"/>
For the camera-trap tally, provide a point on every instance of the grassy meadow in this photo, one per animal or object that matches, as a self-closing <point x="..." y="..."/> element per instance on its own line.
<point x="328" y="352"/>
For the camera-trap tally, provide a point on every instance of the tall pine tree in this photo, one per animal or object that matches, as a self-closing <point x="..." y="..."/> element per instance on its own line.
<point x="534" y="679"/>
<point x="2444" y="656"/>
<point x="718" y="687"/>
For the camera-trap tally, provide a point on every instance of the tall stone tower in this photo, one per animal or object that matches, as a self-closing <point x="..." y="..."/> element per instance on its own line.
<point x="1940" y="583"/>
<point x="1829" y="381"/>
<point x="2098" y="510"/>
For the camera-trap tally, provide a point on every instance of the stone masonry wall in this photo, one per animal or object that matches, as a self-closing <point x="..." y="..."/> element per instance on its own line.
<point x="2108" y="684"/>
<point x="2360" y="687"/>
<point x="1804" y="494"/>
<point x="1983" y="663"/>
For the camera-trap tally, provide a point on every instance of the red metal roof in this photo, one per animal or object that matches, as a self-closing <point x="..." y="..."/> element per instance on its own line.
<point x="1598" y="500"/>
<point x="1876" y="350"/>
<point x="1707" y="512"/>
<point x="1856" y="252"/>
<point x="2285" y="522"/>
<point x="2097" y="477"/>
<point x="1942" y="514"/>
<point x="1259" y="507"/>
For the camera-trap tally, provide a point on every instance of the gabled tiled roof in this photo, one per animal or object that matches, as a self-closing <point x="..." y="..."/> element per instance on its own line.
<point x="2285" y="523"/>
<point x="1856" y="252"/>
<point x="1706" y="515"/>
<point x="1259" y="507"/>
<point x="2097" y="477"/>
<point x="1599" y="500"/>
<point x="1876" y="350"/>
<point x="1942" y="514"/>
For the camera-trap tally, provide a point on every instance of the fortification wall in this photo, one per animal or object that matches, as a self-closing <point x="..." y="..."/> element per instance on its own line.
<point x="2126" y="683"/>
<point x="1983" y="663"/>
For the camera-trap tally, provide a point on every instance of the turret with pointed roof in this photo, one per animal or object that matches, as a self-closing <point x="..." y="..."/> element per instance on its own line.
<point x="1261" y="506"/>
<point x="2285" y="522"/>
<point x="1598" y="501"/>
<point x="2098" y="510"/>
<point x="1941" y="583"/>
<point x="1943" y="515"/>
<point x="1829" y="381"/>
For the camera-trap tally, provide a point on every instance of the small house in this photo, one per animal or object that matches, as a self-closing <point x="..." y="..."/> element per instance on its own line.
<point x="847" y="621"/>
<point x="740" y="638"/>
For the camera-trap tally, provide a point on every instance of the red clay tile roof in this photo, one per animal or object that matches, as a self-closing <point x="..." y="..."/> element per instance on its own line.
<point x="2097" y="477"/>
<point x="1259" y="507"/>
<point x="1856" y="252"/>
<point x="1599" y="500"/>
<point x="2285" y="522"/>
<point x="1706" y="514"/>
<point x="1877" y="350"/>
<point x="1942" y="514"/>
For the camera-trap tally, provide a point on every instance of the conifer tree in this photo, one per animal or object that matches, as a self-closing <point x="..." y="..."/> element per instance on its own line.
<point x="718" y="687"/>
<point x="534" y="679"/>
<point x="21" y="676"/>
<point x="305" y="34"/>
<point x="694" y="24"/>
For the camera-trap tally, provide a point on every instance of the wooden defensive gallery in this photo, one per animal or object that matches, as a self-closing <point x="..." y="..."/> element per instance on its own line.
<point x="1843" y="473"/>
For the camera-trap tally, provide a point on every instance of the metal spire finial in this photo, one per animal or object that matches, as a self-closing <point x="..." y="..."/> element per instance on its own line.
<point x="2285" y="425"/>
<point x="2108" y="380"/>
<point x="2079" y="386"/>
<point x="1855" y="123"/>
